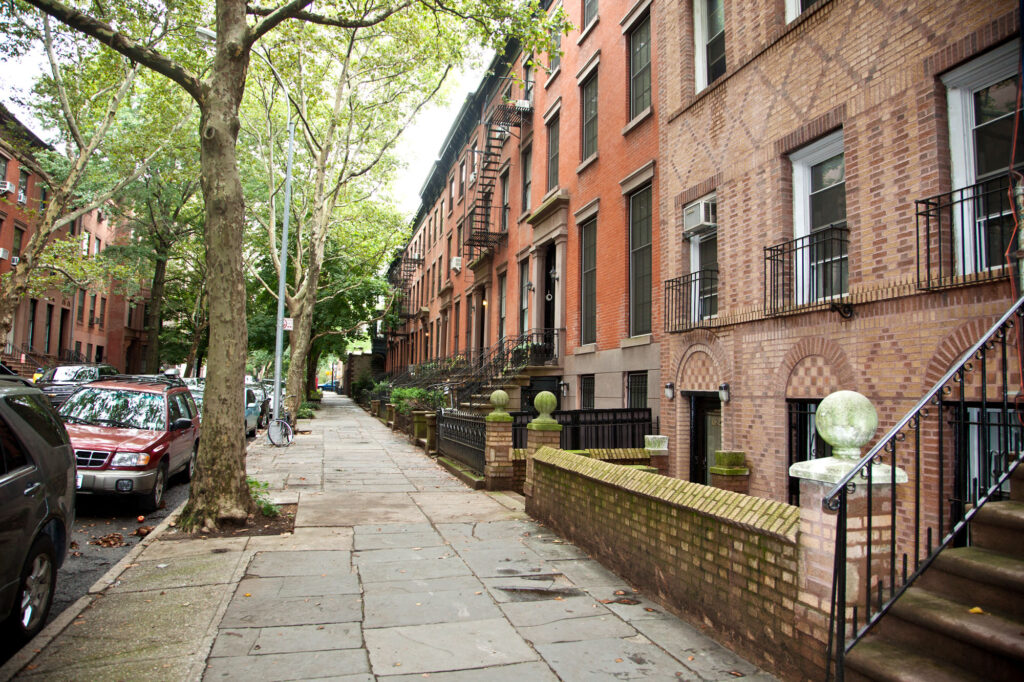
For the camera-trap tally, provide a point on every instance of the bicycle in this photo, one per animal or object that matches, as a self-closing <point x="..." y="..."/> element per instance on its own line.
<point x="279" y="431"/>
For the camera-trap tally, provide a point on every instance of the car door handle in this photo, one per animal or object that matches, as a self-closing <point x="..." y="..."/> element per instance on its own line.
<point x="31" y="490"/>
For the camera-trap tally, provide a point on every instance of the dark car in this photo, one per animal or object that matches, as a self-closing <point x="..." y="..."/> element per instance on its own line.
<point x="58" y="383"/>
<point x="37" y="506"/>
<point x="131" y="434"/>
<point x="263" y="399"/>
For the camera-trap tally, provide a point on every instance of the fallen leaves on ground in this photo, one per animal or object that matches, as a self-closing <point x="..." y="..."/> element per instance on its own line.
<point x="143" y="531"/>
<point x="109" y="540"/>
<point x="976" y="609"/>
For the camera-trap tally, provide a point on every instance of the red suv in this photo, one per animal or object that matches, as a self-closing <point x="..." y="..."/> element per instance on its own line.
<point x="131" y="434"/>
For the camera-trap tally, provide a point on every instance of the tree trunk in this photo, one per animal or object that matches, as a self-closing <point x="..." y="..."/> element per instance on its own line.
<point x="220" y="492"/>
<point x="156" y="304"/>
<point x="312" y="361"/>
<point x="298" y="347"/>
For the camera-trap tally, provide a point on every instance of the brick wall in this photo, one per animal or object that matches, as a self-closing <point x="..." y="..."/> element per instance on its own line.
<point x="713" y="556"/>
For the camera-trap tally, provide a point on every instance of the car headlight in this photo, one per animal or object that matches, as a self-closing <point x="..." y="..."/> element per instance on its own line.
<point x="130" y="459"/>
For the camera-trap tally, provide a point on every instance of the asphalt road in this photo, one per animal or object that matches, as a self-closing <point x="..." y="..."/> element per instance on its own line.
<point x="89" y="558"/>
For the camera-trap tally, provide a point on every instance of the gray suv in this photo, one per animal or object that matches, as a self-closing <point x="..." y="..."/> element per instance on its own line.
<point x="37" y="506"/>
<point x="59" y="382"/>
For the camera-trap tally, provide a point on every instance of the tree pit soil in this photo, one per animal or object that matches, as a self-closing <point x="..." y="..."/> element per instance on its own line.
<point x="256" y="524"/>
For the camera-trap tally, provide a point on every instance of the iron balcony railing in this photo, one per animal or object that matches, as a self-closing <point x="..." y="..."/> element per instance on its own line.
<point x="691" y="301"/>
<point x="807" y="272"/>
<point x="958" y="445"/>
<point x="963" y="235"/>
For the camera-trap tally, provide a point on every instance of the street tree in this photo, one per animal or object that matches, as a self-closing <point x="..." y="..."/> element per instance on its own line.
<point x="220" y="493"/>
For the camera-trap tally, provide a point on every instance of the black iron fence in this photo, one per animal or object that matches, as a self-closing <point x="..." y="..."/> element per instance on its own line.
<point x="691" y="301"/>
<point x="964" y="234"/>
<point x="958" y="446"/>
<point x="809" y="271"/>
<point x="462" y="436"/>
<point x="583" y="429"/>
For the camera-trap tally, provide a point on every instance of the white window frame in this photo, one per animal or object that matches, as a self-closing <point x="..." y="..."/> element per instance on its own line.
<point x="803" y="160"/>
<point x="700" y="44"/>
<point x="696" y="265"/>
<point x="961" y="84"/>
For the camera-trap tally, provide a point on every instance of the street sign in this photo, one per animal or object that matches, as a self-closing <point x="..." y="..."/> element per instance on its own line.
<point x="286" y="324"/>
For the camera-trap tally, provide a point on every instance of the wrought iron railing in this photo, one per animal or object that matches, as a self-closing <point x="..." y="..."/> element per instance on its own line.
<point x="27" y="354"/>
<point x="508" y="358"/>
<point x="691" y="301"/>
<point x="958" y="446"/>
<point x="807" y="272"/>
<point x="963" y="235"/>
<point x="462" y="436"/>
<point x="582" y="429"/>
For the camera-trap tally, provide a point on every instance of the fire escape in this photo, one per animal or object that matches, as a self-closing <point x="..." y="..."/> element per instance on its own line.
<point x="480" y="236"/>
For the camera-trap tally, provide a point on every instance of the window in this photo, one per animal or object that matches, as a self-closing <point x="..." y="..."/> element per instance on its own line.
<point x="462" y="178"/>
<point x="636" y="389"/>
<point x="92" y="310"/>
<point x="555" y="58"/>
<point x="589" y="12"/>
<point x="81" y="304"/>
<point x="3" y="167"/>
<point x="640" y="68"/>
<point x="588" y="280"/>
<point x="804" y="441"/>
<point x="506" y="208"/>
<point x="13" y="455"/>
<point x="448" y="255"/>
<point x="455" y="320"/>
<point x="528" y="83"/>
<point x="40" y="416"/>
<point x="96" y="246"/>
<point x="640" y="262"/>
<point x="458" y="235"/>
<point x="981" y="101"/>
<point x="589" y="98"/>
<point x="524" y="296"/>
<point x="23" y="187"/>
<point x="502" y="285"/>
<point x="451" y="193"/>
<point x="587" y="392"/>
<point x="709" y="39"/>
<point x="33" y="304"/>
<point x="99" y="353"/>
<point x="553" y="153"/>
<point x="819" y="215"/>
<point x="795" y="8"/>
<point x="473" y="163"/>
<point x="19" y="238"/>
<point x="703" y="294"/>
<point x="85" y="242"/>
<point x="527" y="160"/>
<point x="42" y="199"/>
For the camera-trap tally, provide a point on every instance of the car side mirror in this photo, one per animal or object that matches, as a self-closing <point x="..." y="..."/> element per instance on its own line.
<point x="181" y="423"/>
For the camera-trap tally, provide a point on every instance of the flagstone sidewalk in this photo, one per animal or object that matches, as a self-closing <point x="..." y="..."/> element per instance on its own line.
<point x="395" y="571"/>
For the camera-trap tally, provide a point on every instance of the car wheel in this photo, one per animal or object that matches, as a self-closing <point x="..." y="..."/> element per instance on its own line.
<point x="190" y="468"/>
<point x="151" y="501"/>
<point x="35" y="592"/>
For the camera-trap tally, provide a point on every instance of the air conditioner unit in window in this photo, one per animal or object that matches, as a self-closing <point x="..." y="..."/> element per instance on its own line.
<point x="22" y="199"/>
<point x="4" y="254"/>
<point x="523" y="104"/>
<point x="15" y="260"/>
<point x="700" y="217"/>
<point x="6" y="187"/>
<point x="456" y="263"/>
<point x="472" y="177"/>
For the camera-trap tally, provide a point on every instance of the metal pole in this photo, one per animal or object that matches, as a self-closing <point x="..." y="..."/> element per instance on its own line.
<point x="279" y="342"/>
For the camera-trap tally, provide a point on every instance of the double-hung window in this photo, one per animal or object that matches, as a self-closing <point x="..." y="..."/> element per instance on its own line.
<point x="636" y="389"/>
<point x="588" y="90"/>
<point x="588" y="281"/>
<point x="709" y="41"/>
<point x="821" y="269"/>
<point x="981" y="100"/>
<point x="505" y="206"/>
<point x="589" y="12"/>
<point x="502" y="303"/>
<point x="795" y="8"/>
<point x="640" y="274"/>
<point x="524" y="296"/>
<point x="640" y="68"/>
<point x="586" y="391"/>
<point x="527" y="160"/>
<point x="552" y="127"/>
<point x="703" y="283"/>
<point x="555" y="57"/>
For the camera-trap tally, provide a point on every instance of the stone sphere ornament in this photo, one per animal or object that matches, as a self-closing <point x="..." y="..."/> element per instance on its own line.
<point x="846" y="420"/>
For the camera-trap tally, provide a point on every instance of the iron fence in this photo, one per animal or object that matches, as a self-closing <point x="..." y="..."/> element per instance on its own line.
<point x="691" y="301"/>
<point x="809" y="271"/>
<point x="462" y="436"/>
<point x="964" y="234"/>
<point x="582" y="429"/>
<point x="958" y="445"/>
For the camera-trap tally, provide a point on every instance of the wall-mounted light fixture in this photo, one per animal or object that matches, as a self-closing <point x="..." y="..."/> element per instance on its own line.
<point x="723" y="392"/>
<point x="483" y="302"/>
<point x="670" y="391"/>
<point x="553" y="274"/>
<point x="564" y="387"/>
<point x="529" y="286"/>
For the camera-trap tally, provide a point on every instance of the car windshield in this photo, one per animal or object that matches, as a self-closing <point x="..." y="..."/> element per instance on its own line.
<point x="113" y="407"/>
<point x="70" y="373"/>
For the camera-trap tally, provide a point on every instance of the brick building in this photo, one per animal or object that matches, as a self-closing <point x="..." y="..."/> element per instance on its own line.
<point x="798" y="142"/>
<point x="539" y="222"/>
<point x="92" y="326"/>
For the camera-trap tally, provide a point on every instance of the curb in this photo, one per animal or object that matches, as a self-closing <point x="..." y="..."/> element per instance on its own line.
<point x="27" y="653"/>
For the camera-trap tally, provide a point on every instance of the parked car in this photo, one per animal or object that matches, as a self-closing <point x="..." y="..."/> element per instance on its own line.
<point x="263" y="398"/>
<point x="252" y="412"/>
<point x="131" y="434"/>
<point x="37" y="506"/>
<point x="58" y="383"/>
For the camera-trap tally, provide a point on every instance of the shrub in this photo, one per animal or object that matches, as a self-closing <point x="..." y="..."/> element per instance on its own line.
<point x="258" y="490"/>
<point x="406" y="400"/>
<point x="306" y="410"/>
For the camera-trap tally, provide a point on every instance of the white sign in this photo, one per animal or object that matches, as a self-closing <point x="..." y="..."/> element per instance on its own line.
<point x="286" y="324"/>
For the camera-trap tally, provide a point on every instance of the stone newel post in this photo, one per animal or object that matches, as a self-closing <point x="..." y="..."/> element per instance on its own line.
<point x="498" y="466"/>
<point x="846" y="420"/>
<point x="657" y="447"/>
<point x="543" y="430"/>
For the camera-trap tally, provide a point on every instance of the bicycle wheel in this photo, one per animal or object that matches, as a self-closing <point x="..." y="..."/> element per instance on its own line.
<point x="280" y="432"/>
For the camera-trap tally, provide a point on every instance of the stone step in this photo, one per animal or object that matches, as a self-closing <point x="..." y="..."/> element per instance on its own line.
<point x="995" y="581"/>
<point x="879" y="660"/>
<point x="999" y="526"/>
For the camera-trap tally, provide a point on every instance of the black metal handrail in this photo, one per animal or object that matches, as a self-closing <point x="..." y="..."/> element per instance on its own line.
<point x="37" y="358"/>
<point x="963" y="235"/>
<point x="508" y="357"/>
<point x="691" y="301"/>
<point x="807" y="272"/>
<point x="968" y="436"/>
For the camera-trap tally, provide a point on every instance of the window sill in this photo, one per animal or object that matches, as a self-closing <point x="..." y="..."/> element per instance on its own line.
<point x="637" y="120"/>
<point x="586" y="163"/>
<point x="586" y="32"/>
<point x="632" y="341"/>
<point x="551" y="192"/>
<point x="523" y="216"/>
<point x="585" y="349"/>
<point x="552" y="76"/>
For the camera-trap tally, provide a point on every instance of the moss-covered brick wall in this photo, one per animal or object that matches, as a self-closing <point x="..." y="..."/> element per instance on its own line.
<point x="713" y="556"/>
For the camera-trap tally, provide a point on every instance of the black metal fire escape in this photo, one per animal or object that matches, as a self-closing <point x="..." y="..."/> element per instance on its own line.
<point x="481" y="236"/>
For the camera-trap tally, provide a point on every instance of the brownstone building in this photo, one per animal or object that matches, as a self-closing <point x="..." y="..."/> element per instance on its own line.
<point x="539" y="223"/>
<point x="833" y="191"/>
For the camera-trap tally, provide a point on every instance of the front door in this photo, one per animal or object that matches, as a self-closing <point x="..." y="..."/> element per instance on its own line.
<point x="706" y="436"/>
